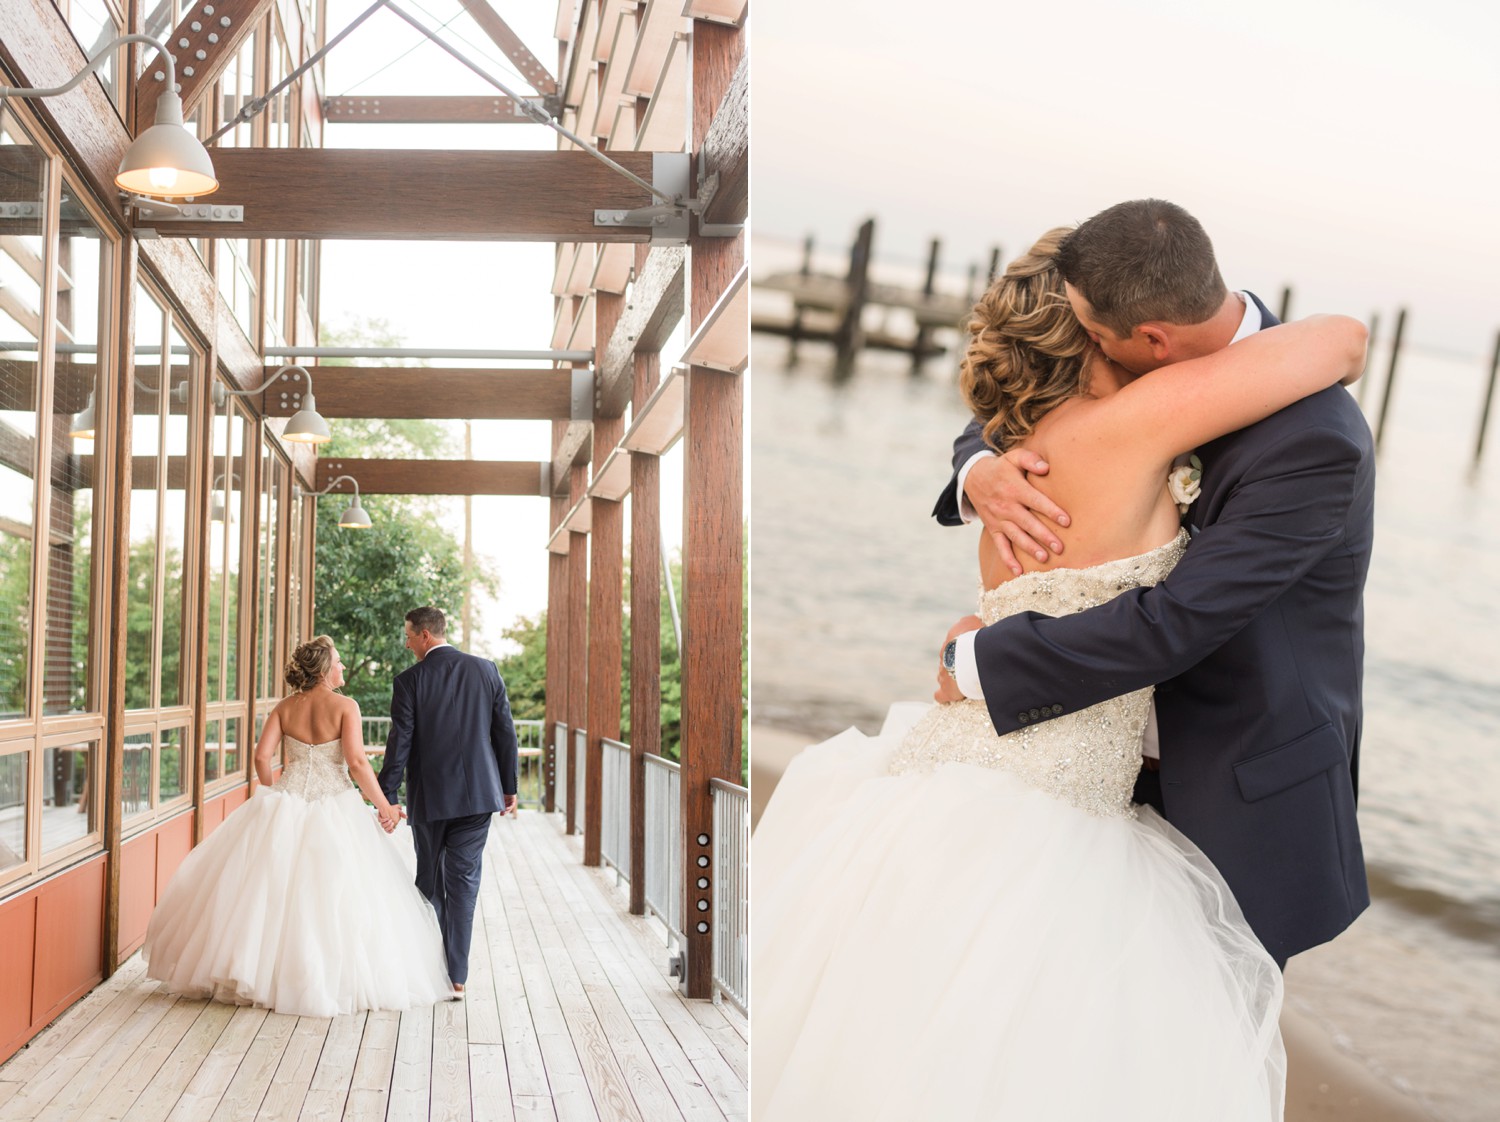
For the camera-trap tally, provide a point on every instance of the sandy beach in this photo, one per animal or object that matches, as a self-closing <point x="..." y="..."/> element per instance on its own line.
<point x="1325" y="1082"/>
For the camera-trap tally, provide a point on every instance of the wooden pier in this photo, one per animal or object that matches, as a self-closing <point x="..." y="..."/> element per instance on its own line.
<point x="829" y="308"/>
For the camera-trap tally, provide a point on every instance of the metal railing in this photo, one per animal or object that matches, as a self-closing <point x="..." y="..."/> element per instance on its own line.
<point x="614" y="834"/>
<point x="731" y="893"/>
<point x="580" y="764"/>
<point x="530" y="782"/>
<point x="560" y="743"/>
<point x="664" y="842"/>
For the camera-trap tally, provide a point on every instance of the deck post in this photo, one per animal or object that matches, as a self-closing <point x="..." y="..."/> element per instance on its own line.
<point x="712" y="544"/>
<point x="606" y="561"/>
<point x="794" y="332"/>
<point x="578" y="642"/>
<point x="645" y="624"/>
<point x="557" y="646"/>
<point x="118" y="580"/>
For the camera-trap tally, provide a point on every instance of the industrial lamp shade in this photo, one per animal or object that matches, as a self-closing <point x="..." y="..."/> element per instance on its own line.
<point x="306" y="426"/>
<point x="216" y="509"/>
<point x="83" y="423"/>
<point x="354" y="518"/>
<point x="166" y="160"/>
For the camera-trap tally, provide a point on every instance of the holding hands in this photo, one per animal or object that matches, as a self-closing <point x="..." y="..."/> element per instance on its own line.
<point x="391" y="817"/>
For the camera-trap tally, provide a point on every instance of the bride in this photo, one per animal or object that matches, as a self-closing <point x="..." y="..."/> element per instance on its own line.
<point x="297" y="902"/>
<point x="956" y="925"/>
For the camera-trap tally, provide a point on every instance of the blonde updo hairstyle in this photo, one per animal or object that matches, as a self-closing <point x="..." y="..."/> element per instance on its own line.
<point x="1027" y="352"/>
<point x="310" y="663"/>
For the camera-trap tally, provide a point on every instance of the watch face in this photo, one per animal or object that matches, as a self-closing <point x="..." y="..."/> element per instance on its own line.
<point x="950" y="654"/>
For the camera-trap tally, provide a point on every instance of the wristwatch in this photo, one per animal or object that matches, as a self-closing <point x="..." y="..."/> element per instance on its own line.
<point x="950" y="658"/>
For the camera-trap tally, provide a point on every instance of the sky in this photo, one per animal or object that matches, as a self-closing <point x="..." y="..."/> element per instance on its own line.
<point x="492" y="295"/>
<point x="1347" y="149"/>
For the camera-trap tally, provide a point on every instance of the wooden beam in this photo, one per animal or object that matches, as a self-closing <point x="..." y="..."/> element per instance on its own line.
<point x="653" y="307"/>
<point x="434" y="477"/>
<point x="572" y="448"/>
<point x="726" y="153"/>
<point x="429" y="195"/>
<point x="645" y="629"/>
<point x="578" y="645"/>
<point x="230" y="23"/>
<point x="431" y="392"/>
<point x="509" y="42"/>
<point x="556" y="692"/>
<point x="434" y="110"/>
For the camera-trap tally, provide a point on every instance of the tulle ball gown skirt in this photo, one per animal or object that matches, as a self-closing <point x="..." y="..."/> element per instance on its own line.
<point x="300" y="906"/>
<point x="959" y="945"/>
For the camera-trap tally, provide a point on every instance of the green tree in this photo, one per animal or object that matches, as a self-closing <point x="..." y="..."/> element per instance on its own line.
<point x="367" y="580"/>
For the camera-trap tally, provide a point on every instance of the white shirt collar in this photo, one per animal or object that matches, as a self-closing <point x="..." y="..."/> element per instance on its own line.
<point x="1250" y="324"/>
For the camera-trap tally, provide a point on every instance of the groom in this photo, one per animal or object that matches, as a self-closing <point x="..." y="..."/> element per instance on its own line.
<point x="1255" y="642"/>
<point x="450" y="724"/>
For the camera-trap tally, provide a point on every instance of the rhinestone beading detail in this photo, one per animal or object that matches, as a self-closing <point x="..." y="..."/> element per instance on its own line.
<point x="1090" y="758"/>
<point x="313" y="771"/>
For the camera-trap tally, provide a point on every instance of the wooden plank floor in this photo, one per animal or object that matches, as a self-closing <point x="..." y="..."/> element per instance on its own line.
<point x="569" y="1015"/>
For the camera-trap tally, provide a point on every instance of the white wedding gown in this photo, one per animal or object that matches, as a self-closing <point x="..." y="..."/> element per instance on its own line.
<point x="955" y="925"/>
<point x="300" y="903"/>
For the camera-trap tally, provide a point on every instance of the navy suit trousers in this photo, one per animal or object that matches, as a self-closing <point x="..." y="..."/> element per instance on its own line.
<point x="448" y="862"/>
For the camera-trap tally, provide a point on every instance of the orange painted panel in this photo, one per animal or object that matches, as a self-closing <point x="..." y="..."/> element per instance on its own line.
<point x="173" y="842"/>
<point x="69" y="939"/>
<point x="213" y="816"/>
<point x="236" y="799"/>
<point x="17" y="944"/>
<point x="137" y="891"/>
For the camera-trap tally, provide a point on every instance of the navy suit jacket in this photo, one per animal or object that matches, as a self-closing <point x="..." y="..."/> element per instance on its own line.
<point x="1256" y="644"/>
<point x="451" y="736"/>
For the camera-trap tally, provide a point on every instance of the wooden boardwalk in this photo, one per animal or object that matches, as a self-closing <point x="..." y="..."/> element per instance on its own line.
<point x="569" y="1016"/>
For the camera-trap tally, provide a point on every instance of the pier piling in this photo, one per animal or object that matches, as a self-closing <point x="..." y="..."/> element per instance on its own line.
<point x="1390" y="377"/>
<point x="849" y="337"/>
<point x="1489" y="399"/>
<point x="919" y="343"/>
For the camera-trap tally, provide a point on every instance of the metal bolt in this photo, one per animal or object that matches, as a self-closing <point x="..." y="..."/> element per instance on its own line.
<point x="213" y="37"/>
<point x="702" y="839"/>
<point x="702" y="928"/>
<point x="196" y="26"/>
<point x="160" y="77"/>
<point x="225" y="21"/>
<point x="201" y="55"/>
<point x="208" y="9"/>
<point x="183" y="43"/>
<point x="188" y="70"/>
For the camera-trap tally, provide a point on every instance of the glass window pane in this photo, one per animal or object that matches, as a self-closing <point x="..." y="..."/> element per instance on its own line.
<point x="135" y="788"/>
<point x="145" y="444"/>
<point x="234" y="504"/>
<point x="83" y="263"/>
<point x="173" y="782"/>
<point x="14" y="770"/>
<point x="93" y="26"/>
<point x="220" y="513"/>
<point x="212" y="746"/>
<point x="67" y="802"/>
<point x="23" y="186"/>
<point x="174" y="520"/>
<point x="232" y="730"/>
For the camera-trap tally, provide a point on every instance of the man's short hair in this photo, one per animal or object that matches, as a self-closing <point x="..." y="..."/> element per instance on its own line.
<point x="427" y="619"/>
<point x="1143" y="261"/>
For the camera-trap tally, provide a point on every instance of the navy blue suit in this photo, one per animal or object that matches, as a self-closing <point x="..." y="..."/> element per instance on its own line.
<point x="1256" y="644"/>
<point x="453" y="739"/>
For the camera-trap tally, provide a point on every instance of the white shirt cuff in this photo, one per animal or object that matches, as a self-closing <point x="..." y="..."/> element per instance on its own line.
<point x="966" y="509"/>
<point x="966" y="667"/>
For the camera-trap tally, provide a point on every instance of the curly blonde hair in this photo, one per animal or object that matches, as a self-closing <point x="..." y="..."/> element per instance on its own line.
<point x="309" y="663"/>
<point x="1027" y="352"/>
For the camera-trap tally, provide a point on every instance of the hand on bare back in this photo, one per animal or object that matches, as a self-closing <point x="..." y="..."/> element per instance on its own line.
<point x="1015" y="514"/>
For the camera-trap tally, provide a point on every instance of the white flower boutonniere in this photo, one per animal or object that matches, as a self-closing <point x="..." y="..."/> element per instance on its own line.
<point x="1184" y="483"/>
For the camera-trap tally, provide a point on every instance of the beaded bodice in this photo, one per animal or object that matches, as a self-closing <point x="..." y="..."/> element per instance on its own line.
<point x="1089" y="758"/>
<point x="313" y="771"/>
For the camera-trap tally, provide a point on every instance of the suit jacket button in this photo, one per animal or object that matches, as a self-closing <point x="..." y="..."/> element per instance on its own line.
<point x="1036" y="714"/>
<point x="1022" y="717"/>
<point x="1057" y="710"/>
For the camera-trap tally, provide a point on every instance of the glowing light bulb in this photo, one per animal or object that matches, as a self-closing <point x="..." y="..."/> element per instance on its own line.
<point x="163" y="178"/>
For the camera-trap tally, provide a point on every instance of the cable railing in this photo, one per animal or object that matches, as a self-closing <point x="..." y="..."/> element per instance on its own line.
<point x="731" y="893"/>
<point x="560" y="754"/>
<point x="580" y="765"/>
<point x="530" y="784"/>
<point x="664" y="843"/>
<point x="614" y="837"/>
